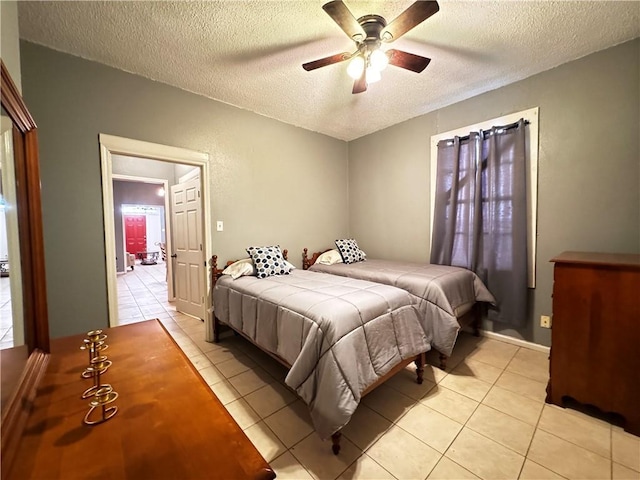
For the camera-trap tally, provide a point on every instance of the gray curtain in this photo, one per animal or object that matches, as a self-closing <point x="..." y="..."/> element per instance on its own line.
<point x="480" y="215"/>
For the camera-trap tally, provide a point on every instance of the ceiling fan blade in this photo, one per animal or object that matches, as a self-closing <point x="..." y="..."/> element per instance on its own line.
<point x="323" y="62"/>
<point x="360" y="85"/>
<point x="343" y="17"/>
<point x="412" y="16"/>
<point x="406" y="60"/>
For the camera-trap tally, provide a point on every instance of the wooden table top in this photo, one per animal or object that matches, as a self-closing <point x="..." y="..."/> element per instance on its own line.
<point x="169" y="424"/>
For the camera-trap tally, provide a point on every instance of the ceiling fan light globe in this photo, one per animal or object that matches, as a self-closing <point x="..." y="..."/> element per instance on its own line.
<point x="355" y="67"/>
<point x="379" y="60"/>
<point x="372" y="75"/>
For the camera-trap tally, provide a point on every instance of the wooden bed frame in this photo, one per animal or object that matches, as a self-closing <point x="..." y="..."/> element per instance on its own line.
<point x="419" y="360"/>
<point x="472" y="318"/>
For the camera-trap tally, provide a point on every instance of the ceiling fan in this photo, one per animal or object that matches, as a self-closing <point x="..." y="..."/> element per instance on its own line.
<point x="370" y="32"/>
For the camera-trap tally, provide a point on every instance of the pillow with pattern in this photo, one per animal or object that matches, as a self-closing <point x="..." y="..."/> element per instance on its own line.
<point x="350" y="251"/>
<point x="268" y="261"/>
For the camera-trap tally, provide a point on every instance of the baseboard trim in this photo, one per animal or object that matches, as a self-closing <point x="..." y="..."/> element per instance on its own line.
<point x="513" y="341"/>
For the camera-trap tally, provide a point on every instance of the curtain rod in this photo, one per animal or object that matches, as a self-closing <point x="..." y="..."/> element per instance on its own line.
<point x="504" y="128"/>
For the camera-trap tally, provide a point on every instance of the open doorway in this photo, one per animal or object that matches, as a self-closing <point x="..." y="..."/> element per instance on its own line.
<point x="186" y="165"/>
<point x="142" y="227"/>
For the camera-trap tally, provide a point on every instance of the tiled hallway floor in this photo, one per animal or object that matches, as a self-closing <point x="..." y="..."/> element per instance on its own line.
<point x="484" y="417"/>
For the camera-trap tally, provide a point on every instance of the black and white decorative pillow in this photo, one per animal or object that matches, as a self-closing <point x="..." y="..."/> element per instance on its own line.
<point x="268" y="261"/>
<point x="349" y="250"/>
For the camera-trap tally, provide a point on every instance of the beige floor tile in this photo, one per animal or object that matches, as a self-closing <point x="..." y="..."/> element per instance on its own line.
<point x="190" y="350"/>
<point x="291" y="423"/>
<point x="567" y="459"/>
<point x="433" y="428"/>
<point x="481" y="371"/>
<point x="433" y="373"/>
<point x="625" y="449"/>
<point x="403" y="455"/>
<point x="251" y="380"/>
<point x="530" y="364"/>
<point x="388" y="402"/>
<point x="447" y="469"/>
<point x="405" y="382"/>
<point x="620" y="472"/>
<point x="242" y="413"/>
<point x="587" y="434"/>
<point x="288" y="468"/>
<point x="365" y="427"/>
<point x="484" y="457"/>
<point x="513" y="404"/>
<point x="265" y="441"/>
<point x="319" y="460"/>
<point x="148" y="310"/>
<point x="236" y="365"/>
<point x="533" y="471"/>
<point x="365" y="468"/>
<point x="171" y="326"/>
<point x="504" y="429"/>
<point x="465" y="385"/>
<point x="269" y="399"/>
<point x="493" y="352"/>
<point x="225" y="392"/>
<point x="203" y="345"/>
<point x="449" y="403"/>
<point x="200" y="361"/>
<point x="211" y="375"/>
<point x="523" y="386"/>
<point x="222" y="354"/>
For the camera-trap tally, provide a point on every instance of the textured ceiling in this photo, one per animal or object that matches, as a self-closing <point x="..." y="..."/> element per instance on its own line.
<point x="249" y="53"/>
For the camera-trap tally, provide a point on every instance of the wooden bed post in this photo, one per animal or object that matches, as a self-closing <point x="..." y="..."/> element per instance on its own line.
<point x="335" y="440"/>
<point x="420" y="361"/>
<point x="305" y="259"/>
<point x="214" y="272"/>
<point x="443" y="361"/>
<point x="477" y="319"/>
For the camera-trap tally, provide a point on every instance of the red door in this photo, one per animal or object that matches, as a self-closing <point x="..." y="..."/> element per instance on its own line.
<point x="135" y="228"/>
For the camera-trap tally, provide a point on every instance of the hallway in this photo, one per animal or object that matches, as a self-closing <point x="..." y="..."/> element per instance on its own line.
<point x="142" y="294"/>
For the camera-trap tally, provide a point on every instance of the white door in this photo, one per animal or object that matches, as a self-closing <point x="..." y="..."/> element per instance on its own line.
<point x="188" y="255"/>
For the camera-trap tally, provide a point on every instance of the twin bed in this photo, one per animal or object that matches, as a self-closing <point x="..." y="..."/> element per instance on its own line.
<point x="447" y="297"/>
<point x="340" y="336"/>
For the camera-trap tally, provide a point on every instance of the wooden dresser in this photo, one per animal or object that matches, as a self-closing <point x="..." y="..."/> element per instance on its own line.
<point x="169" y="424"/>
<point x="595" y="337"/>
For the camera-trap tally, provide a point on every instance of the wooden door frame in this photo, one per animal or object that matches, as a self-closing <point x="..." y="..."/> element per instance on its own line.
<point x="110" y="145"/>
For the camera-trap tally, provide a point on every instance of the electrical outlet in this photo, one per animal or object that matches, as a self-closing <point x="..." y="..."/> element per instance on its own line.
<point x="545" y="321"/>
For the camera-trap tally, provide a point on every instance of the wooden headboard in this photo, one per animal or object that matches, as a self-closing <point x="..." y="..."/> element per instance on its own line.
<point x="307" y="262"/>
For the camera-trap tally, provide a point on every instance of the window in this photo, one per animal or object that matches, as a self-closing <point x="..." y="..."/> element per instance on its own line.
<point x="531" y="143"/>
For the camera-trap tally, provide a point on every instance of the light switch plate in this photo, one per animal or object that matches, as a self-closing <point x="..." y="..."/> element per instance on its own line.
<point x="219" y="226"/>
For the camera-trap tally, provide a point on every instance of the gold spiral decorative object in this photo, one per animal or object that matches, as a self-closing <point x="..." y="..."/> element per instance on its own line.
<point x="99" y="365"/>
<point x="103" y="396"/>
<point x="94" y="344"/>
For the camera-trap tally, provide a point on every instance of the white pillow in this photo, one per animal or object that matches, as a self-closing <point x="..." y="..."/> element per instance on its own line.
<point x="245" y="267"/>
<point x="240" y="268"/>
<point x="329" y="258"/>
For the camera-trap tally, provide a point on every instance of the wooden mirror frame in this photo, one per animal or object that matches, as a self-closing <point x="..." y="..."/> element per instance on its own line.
<point x="34" y="292"/>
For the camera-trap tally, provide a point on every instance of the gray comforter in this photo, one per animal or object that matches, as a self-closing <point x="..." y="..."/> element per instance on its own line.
<point x="443" y="293"/>
<point x="340" y="335"/>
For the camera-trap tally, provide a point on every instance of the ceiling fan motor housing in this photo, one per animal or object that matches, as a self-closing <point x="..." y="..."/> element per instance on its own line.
<point x="372" y="26"/>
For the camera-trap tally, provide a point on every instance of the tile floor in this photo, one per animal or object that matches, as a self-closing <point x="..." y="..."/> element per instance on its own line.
<point x="484" y="417"/>
<point x="6" y="319"/>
